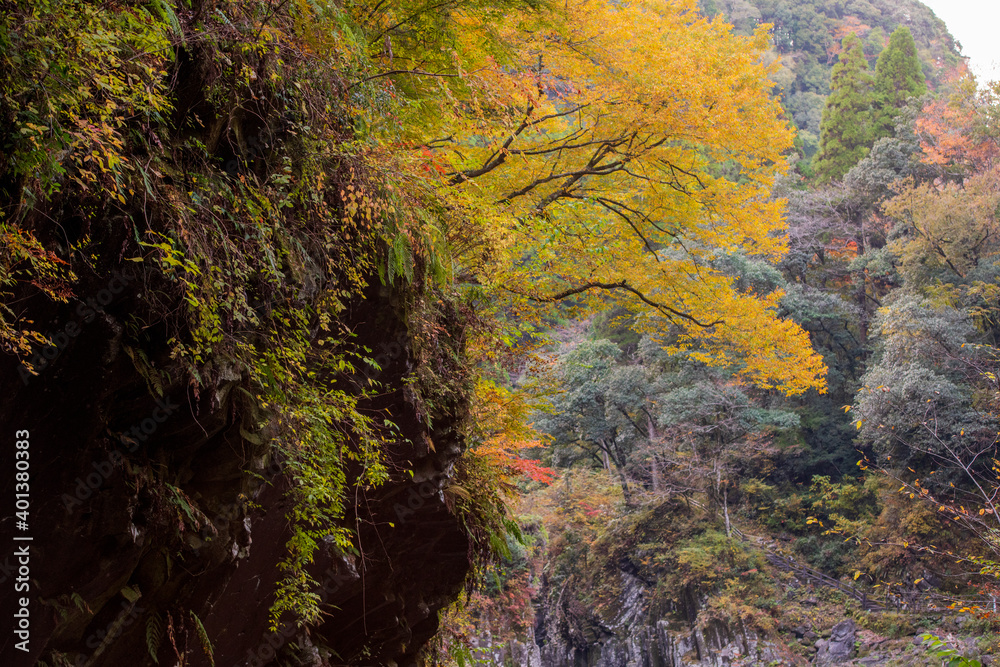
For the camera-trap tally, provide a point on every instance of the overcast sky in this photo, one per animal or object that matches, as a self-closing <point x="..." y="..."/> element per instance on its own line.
<point x="974" y="23"/>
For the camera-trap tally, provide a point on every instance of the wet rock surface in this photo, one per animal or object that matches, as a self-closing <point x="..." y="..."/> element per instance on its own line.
<point x="839" y="647"/>
<point x="144" y="535"/>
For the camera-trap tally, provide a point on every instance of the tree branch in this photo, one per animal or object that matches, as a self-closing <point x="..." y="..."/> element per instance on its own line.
<point x="500" y="156"/>
<point x="623" y="285"/>
<point x="413" y="72"/>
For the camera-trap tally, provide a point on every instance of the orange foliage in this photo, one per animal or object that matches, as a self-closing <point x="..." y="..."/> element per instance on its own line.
<point x="846" y="249"/>
<point x="953" y="130"/>
<point x="505" y="453"/>
<point x="581" y="504"/>
<point x="501" y="416"/>
<point x="849" y="25"/>
<point x="23" y="259"/>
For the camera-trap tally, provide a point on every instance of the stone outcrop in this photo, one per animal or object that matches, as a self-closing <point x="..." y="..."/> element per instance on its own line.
<point x="138" y="541"/>
<point x="638" y="637"/>
<point x="839" y="647"/>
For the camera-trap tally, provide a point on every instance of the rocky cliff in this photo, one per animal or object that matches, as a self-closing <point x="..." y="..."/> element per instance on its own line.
<point x="663" y="586"/>
<point x="682" y="635"/>
<point x="238" y="383"/>
<point x="156" y="523"/>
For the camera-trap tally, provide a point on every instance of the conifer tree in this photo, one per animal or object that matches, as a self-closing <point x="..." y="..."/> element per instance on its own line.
<point x="845" y="134"/>
<point x="898" y="77"/>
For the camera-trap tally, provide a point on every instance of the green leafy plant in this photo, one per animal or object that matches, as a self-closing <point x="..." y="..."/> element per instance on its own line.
<point x="206" y="643"/>
<point x="950" y="656"/>
<point x="154" y="635"/>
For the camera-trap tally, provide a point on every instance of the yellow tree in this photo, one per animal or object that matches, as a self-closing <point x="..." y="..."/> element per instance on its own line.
<point x="616" y="150"/>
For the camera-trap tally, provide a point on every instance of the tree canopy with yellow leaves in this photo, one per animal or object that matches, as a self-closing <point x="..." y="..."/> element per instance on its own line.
<point x="614" y="151"/>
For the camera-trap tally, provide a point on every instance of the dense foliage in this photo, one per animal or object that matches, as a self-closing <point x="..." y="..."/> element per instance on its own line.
<point x="889" y="479"/>
<point x="898" y="77"/>
<point x="608" y="278"/>
<point x="846" y="132"/>
<point x="264" y="166"/>
<point x="807" y="41"/>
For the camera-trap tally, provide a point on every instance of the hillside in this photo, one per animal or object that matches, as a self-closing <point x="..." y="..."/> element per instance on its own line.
<point x="700" y="520"/>
<point x="807" y="39"/>
<point x="347" y="334"/>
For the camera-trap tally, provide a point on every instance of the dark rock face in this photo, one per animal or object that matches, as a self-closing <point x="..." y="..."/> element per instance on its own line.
<point x="840" y="647"/>
<point x="641" y="637"/>
<point x="664" y="643"/>
<point x="152" y="516"/>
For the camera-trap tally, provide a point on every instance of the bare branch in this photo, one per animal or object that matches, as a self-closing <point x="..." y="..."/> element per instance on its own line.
<point x="623" y="285"/>
<point x="413" y="72"/>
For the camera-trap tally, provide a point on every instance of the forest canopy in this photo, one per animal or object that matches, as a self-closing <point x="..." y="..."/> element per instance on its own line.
<point x="573" y="158"/>
<point x="607" y="163"/>
<point x="266" y="164"/>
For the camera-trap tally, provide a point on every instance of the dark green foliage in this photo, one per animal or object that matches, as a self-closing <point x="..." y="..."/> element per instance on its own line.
<point x="823" y="296"/>
<point x="154" y="635"/>
<point x="618" y="326"/>
<point x="898" y="77"/>
<point x="663" y="423"/>
<point x="806" y="109"/>
<point x="828" y="439"/>
<point x="916" y="403"/>
<point x="890" y="159"/>
<point x="805" y="36"/>
<point x="591" y="417"/>
<point x="824" y="554"/>
<point x="752" y="275"/>
<point x="845" y="133"/>
<point x="949" y="656"/>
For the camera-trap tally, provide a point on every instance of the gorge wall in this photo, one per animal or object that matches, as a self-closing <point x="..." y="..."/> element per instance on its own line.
<point x="239" y="387"/>
<point x="154" y="521"/>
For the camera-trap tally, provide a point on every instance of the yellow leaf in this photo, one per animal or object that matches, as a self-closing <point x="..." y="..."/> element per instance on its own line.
<point x="654" y="83"/>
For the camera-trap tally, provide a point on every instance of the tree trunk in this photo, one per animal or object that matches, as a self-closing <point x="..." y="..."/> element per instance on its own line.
<point x="725" y="510"/>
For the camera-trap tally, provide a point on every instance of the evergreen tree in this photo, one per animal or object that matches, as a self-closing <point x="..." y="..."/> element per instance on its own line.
<point x="898" y="77"/>
<point x="845" y="135"/>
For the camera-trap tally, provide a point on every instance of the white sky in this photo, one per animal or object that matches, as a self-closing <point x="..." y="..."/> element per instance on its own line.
<point x="976" y="24"/>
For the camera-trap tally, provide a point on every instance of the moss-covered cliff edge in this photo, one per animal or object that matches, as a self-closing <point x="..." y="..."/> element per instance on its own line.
<point x="239" y="363"/>
<point x="190" y="527"/>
